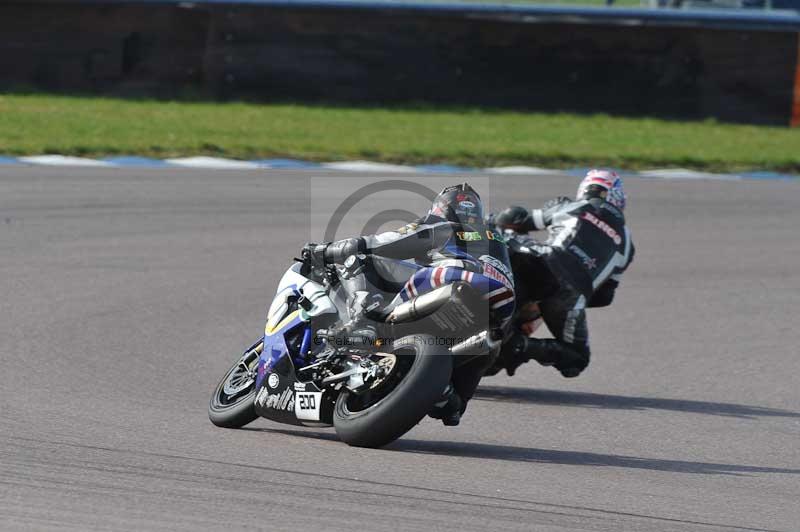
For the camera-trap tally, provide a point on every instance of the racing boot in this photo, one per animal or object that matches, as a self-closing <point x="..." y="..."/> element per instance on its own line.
<point x="547" y="352"/>
<point x="449" y="409"/>
<point x="514" y="353"/>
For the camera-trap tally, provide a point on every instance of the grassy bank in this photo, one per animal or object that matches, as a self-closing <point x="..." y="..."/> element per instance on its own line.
<point x="35" y="124"/>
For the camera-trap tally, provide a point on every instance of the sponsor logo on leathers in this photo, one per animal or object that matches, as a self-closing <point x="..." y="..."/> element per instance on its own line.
<point x="469" y="236"/>
<point x="604" y="227"/>
<point x="589" y="262"/>
<point x="491" y="235"/>
<point x="495" y="269"/>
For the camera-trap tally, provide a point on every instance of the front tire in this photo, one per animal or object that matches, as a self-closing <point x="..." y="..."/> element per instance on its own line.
<point x="426" y="372"/>
<point x="232" y="404"/>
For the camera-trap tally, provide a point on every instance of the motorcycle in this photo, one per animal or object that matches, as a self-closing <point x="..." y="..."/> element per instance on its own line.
<point x="335" y="354"/>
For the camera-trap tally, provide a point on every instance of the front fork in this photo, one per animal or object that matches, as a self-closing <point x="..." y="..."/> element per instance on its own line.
<point x="251" y="356"/>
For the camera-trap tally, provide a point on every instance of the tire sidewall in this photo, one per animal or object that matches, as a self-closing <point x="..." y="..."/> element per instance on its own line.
<point x="407" y="404"/>
<point x="236" y="415"/>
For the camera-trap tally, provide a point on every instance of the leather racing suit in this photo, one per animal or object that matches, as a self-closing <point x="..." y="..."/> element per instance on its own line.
<point x="579" y="266"/>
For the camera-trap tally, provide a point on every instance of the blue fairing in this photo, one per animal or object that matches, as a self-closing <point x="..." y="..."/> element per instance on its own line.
<point x="275" y="347"/>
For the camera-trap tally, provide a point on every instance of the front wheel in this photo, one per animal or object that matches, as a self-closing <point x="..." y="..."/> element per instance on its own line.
<point x="232" y="404"/>
<point x="420" y="375"/>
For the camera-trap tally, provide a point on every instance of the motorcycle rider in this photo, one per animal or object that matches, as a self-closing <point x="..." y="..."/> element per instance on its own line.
<point x="578" y="267"/>
<point x="446" y="243"/>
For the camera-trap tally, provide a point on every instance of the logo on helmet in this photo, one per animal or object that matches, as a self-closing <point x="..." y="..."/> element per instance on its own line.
<point x="458" y="203"/>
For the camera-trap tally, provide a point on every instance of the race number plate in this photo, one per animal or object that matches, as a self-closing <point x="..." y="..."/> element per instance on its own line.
<point x="306" y="405"/>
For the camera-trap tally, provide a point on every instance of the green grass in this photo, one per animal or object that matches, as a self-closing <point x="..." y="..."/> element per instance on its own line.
<point x="36" y="124"/>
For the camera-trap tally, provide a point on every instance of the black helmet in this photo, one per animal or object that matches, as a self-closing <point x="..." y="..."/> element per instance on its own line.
<point x="459" y="204"/>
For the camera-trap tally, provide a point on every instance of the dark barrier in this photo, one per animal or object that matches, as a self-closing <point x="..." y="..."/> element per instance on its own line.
<point x="674" y="64"/>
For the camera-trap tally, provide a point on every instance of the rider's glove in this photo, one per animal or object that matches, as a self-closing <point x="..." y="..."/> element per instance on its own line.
<point x="314" y="254"/>
<point x="515" y="218"/>
<point x="540" y="218"/>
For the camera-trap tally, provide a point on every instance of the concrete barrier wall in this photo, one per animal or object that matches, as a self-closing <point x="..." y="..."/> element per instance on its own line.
<point x="634" y="62"/>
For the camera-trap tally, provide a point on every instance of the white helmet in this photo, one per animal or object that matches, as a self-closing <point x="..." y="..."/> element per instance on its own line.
<point x="599" y="180"/>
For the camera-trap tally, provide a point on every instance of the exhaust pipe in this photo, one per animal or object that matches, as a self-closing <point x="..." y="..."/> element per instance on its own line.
<point x="423" y="305"/>
<point x="478" y="344"/>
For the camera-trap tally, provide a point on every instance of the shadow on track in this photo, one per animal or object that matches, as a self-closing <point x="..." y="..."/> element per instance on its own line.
<point x="545" y="456"/>
<point x="311" y="433"/>
<point x="621" y="402"/>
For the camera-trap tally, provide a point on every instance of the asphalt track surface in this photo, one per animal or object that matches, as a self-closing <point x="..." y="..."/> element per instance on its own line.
<point x="125" y="294"/>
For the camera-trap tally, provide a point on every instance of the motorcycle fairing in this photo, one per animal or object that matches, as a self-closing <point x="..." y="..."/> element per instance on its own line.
<point x="279" y="395"/>
<point x="275" y="347"/>
<point x="275" y="395"/>
<point x="280" y="321"/>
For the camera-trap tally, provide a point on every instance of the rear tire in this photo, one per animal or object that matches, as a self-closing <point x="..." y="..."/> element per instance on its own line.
<point x="405" y="405"/>
<point x="235" y="410"/>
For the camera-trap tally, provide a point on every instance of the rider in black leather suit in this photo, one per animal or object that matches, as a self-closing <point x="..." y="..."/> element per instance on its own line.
<point x="578" y="267"/>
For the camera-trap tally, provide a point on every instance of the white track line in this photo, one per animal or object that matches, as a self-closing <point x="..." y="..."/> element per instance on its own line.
<point x="366" y="166"/>
<point x="63" y="160"/>
<point x="521" y="170"/>
<point x="216" y="163"/>
<point x="682" y="173"/>
<point x="219" y="163"/>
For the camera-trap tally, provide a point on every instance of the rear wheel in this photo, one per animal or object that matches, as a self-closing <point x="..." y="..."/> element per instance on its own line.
<point x="419" y="376"/>
<point x="232" y="404"/>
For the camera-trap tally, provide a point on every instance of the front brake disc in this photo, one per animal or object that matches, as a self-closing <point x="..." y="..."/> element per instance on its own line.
<point x="386" y="364"/>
